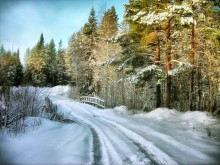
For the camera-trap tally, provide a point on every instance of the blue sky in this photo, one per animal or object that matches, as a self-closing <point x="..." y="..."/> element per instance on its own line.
<point x="22" y="21"/>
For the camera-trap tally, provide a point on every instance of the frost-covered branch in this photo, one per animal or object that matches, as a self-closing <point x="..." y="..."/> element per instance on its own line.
<point x="182" y="66"/>
<point x="184" y="11"/>
<point x="148" y="69"/>
<point x="135" y="78"/>
<point x="153" y="18"/>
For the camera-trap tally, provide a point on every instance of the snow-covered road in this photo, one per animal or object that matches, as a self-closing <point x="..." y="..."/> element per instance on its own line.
<point x="113" y="143"/>
<point x="119" y="138"/>
<point x="113" y="136"/>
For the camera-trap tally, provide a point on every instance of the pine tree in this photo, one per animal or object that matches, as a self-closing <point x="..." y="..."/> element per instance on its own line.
<point x="104" y="77"/>
<point x="78" y="63"/>
<point x="69" y="60"/>
<point x="10" y="68"/>
<point x="2" y="51"/>
<point x="135" y="49"/>
<point x="82" y="65"/>
<point x="50" y="63"/>
<point x="61" y="69"/>
<point x="90" y="30"/>
<point x="27" y="70"/>
<point x="19" y="69"/>
<point x="109" y="24"/>
<point x="35" y="63"/>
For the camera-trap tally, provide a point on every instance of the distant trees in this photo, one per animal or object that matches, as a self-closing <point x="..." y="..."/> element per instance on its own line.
<point x="36" y="64"/>
<point x="44" y="66"/>
<point x="61" y="75"/>
<point x="11" y="70"/>
<point x="18" y="79"/>
<point x="50" y="63"/>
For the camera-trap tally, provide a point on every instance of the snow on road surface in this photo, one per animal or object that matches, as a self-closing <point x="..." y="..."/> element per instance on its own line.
<point x="113" y="136"/>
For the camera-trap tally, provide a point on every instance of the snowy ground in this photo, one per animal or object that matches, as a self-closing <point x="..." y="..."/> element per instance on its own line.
<point x="113" y="136"/>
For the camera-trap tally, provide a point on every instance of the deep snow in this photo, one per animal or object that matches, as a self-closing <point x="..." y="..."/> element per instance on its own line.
<point x="114" y="136"/>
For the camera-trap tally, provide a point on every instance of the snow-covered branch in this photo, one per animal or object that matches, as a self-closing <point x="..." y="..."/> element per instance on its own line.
<point x="184" y="11"/>
<point x="153" y="18"/>
<point x="182" y="66"/>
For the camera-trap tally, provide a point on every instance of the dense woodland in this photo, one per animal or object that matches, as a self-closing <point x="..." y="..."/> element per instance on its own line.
<point x="164" y="54"/>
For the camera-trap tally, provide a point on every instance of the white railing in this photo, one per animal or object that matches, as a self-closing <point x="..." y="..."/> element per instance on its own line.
<point x="93" y="100"/>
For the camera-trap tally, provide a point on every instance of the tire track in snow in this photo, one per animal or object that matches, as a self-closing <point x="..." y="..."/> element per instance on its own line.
<point x="105" y="151"/>
<point x="82" y="116"/>
<point x="102" y="143"/>
<point x="114" y="151"/>
<point x="138" y="145"/>
<point x="97" y="152"/>
<point x="154" y="154"/>
<point x="101" y="155"/>
<point x="178" y="147"/>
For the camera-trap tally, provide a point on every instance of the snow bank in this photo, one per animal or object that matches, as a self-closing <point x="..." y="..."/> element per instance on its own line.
<point x="59" y="90"/>
<point x="197" y="116"/>
<point x="160" y="113"/>
<point x="45" y="91"/>
<point x="204" y="118"/>
<point x="121" y="109"/>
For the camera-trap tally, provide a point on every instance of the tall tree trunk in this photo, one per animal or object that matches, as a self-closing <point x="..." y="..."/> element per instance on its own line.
<point x="123" y="87"/>
<point x="158" y="87"/>
<point x="168" y="64"/>
<point x="192" y="55"/>
<point x="199" y="85"/>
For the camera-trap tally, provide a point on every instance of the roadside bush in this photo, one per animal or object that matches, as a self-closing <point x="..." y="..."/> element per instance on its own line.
<point x="51" y="112"/>
<point x="17" y="103"/>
